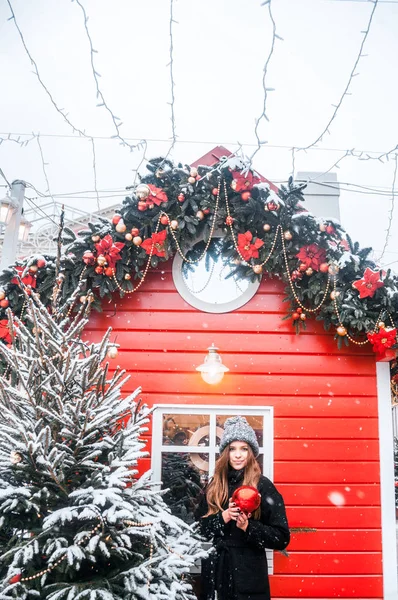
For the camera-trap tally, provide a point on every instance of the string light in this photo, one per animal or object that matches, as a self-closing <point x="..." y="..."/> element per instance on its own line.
<point x="264" y="84"/>
<point x="391" y="212"/>
<point x="95" y="172"/>
<point x="172" y="83"/>
<point x="116" y="121"/>
<point x="351" y="77"/>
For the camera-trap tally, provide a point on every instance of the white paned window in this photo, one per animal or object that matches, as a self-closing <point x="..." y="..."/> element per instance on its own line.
<point x="185" y="442"/>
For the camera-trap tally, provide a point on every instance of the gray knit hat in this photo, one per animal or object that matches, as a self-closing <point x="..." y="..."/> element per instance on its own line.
<point x="238" y="429"/>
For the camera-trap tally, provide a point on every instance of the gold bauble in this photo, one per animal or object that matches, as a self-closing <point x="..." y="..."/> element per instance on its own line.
<point x="333" y="269"/>
<point x="342" y="331"/>
<point x="322" y="227"/>
<point x="288" y="235"/>
<point x="95" y="238"/>
<point x="334" y="295"/>
<point x="266" y="226"/>
<point x="381" y="325"/>
<point x="127" y="276"/>
<point x="142" y="190"/>
<point x="137" y="240"/>
<point x="303" y="316"/>
<point x="309" y="271"/>
<point x="83" y="299"/>
<point x="112" y="352"/>
<point x="121" y="227"/>
<point x="2" y="294"/>
<point x="200" y="215"/>
<point x="101" y="260"/>
<point x="128" y="237"/>
<point x="194" y="172"/>
<point x="257" y="269"/>
<point x="174" y="224"/>
<point x="191" y="180"/>
<point x="33" y="268"/>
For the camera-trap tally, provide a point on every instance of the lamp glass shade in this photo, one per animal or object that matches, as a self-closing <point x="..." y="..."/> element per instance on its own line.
<point x="212" y="369"/>
<point x="5" y="211"/>
<point x="24" y="229"/>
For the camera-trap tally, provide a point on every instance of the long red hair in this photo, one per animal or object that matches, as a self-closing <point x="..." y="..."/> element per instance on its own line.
<point x="217" y="491"/>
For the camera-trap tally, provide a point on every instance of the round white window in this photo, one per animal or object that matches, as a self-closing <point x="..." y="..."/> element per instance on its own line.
<point x="211" y="284"/>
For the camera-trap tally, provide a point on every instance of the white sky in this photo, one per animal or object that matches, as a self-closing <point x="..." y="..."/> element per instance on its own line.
<point x="220" y="47"/>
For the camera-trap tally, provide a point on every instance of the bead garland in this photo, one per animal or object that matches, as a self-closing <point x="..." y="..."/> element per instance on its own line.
<point x="148" y="264"/>
<point x="60" y="560"/>
<point x="309" y="310"/>
<point x="213" y="224"/>
<point x="279" y="227"/>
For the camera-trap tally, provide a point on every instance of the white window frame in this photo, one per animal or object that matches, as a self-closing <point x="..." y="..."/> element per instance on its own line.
<point x="158" y="448"/>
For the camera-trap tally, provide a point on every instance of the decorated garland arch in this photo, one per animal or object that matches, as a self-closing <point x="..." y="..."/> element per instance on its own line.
<point x="266" y="234"/>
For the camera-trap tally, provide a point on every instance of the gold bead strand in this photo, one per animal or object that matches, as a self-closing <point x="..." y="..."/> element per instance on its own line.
<point x="339" y="318"/>
<point x="148" y="264"/>
<point x="233" y="233"/>
<point x="180" y="252"/>
<point x="309" y="310"/>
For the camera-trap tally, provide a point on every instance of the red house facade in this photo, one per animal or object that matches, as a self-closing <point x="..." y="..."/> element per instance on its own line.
<point x="322" y="416"/>
<point x="321" y="409"/>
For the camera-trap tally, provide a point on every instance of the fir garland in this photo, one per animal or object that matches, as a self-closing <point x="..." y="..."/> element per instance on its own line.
<point x="327" y="276"/>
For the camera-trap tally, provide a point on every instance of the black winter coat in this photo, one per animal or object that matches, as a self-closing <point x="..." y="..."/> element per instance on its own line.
<point x="237" y="566"/>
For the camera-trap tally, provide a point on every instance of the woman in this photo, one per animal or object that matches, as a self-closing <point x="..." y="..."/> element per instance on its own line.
<point x="237" y="566"/>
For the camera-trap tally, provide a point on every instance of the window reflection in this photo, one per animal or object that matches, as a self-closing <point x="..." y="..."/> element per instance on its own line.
<point x="184" y="480"/>
<point x="180" y="430"/>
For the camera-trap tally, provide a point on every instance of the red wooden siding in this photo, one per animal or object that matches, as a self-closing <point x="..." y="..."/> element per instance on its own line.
<point x="325" y="407"/>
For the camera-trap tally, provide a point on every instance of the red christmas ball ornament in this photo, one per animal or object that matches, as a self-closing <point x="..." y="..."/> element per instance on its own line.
<point x="295" y="275"/>
<point x="163" y="219"/>
<point x="295" y="316"/>
<point x="324" y="267"/>
<point x="116" y="219"/>
<point x="135" y="231"/>
<point x="15" y="578"/>
<point x="109" y="271"/>
<point x="99" y="270"/>
<point x="41" y="263"/>
<point x="206" y="211"/>
<point x="88" y="257"/>
<point x="246" y="498"/>
<point x="180" y="197"/>
<point x="245" y="196"/>
<point x="214" y="191"/>
<point x="142" y="206"/>
<point x="303" y="267"/>
<point x="229" y="220"/>
<point x="272" y="205"/>
<point x="330" y="230"/>
<point x="299" y="310"/>
<point x="4" y="303"/>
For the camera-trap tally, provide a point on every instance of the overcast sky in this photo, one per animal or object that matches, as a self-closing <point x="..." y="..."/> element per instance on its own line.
<point x="220" y="47"/>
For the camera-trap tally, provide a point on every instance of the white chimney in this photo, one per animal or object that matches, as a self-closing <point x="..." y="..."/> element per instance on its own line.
<point x="321" y="194"/>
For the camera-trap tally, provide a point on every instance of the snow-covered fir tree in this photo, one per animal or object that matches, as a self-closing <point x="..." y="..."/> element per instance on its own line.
<point x="76" y="521"/>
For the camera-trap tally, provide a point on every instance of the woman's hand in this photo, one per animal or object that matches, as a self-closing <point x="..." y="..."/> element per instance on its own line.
<point x="231" y="513"/>
<point x="243" y="520"/>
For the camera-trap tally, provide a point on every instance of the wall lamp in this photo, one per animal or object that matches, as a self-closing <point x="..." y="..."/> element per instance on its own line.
<point x="212" y="369"/>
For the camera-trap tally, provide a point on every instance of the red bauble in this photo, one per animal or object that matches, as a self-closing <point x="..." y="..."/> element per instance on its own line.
<point x="181" y="197"/>
<point x="41" y="263"/>
<point x="116" y="219"/>
<point x="206" y="211"/>
<point x="246" y="498"/>
<point x="142" y="206"/>
<point x="229" y="221"/>
<point x="214" y="191"/>
<point x="4" y="303"/>
<point x="109" y="272"/>
<point x="135" y="231"/>
<point x="99" y="270"/>
<point x="164" y="220"/>
<point x="330" y="229"/>
<point x="245" y="196"/>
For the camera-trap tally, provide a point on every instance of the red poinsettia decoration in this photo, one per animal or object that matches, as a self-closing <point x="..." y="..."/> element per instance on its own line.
<point x="382" y="341"/>
<point x="246" y="248"/>
<point x="243" y="182"/>
<point x="4" y="331"/>
<point x="156" y="195"/>
<point x="158" y="241"/>
<point x="368" y="285"/>
<point x="27" y="279"/>
<point x="312" y="256"/>
<point x="110" y="249"/>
